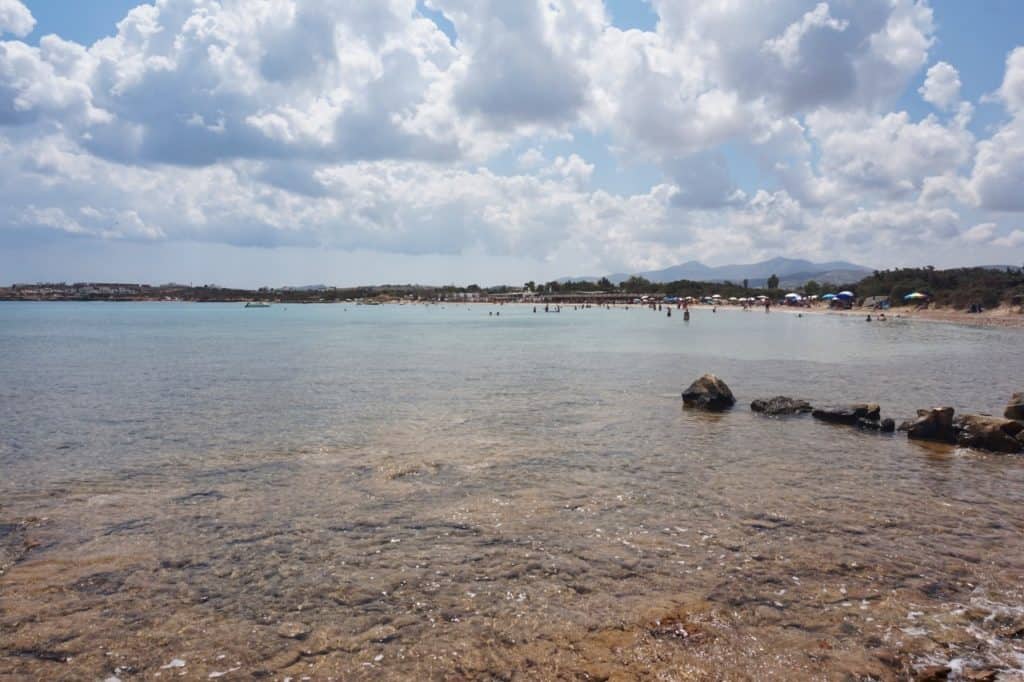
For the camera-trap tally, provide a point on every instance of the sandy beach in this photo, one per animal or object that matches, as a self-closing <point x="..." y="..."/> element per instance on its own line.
<point x="1007" y="317"/>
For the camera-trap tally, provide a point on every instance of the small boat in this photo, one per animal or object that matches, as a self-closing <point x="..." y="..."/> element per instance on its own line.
<point x="257" y="304"/>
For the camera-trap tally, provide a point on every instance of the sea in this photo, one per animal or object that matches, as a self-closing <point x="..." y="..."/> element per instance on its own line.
<point x="476" y="491"/>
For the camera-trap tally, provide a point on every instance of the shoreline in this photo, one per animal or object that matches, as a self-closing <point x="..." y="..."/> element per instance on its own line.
<point x="1003" y="317"/>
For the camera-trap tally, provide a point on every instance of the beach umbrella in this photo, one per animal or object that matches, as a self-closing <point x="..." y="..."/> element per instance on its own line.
<point x="716" y="296"/>
<point x="914" y="296"/>
<point x="844" y="294"/>
<point x="827" y="297"/>
<point x="792" y="296"/>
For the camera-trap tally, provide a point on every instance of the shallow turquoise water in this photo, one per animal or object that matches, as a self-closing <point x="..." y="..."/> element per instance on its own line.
<point x="99" y="386"/>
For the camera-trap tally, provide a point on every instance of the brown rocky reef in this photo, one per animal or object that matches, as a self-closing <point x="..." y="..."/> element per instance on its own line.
<point x="979" y="431"/>
<point x="935" y="423"/>
<point x="709" y="393"/>
<point x="1015" y="408"/>
<point x="864" y="415"/>
<point x="780" y="405"/>
<point x="970" y="430"/>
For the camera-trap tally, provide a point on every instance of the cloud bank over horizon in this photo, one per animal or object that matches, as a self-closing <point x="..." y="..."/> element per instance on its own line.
<point x="537" y="131"/>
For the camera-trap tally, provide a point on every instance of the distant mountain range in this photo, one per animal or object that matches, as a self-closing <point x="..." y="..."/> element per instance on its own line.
<point x="791" y="272"/>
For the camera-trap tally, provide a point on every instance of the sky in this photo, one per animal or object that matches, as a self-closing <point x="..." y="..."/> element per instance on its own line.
<point x="292" y="142"/>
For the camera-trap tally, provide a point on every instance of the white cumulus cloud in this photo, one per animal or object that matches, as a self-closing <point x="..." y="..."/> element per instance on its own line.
<point x="757" y="127"/>
<point x="941" y="86"/>
<point x="15" y="18"/>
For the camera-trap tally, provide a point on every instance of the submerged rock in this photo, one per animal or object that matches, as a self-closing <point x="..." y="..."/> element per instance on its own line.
<point x="708" y="393"/>
<point x="989" y="433"/>
<point x="933" y="424"/>
<point x="1015" y="408"/>
<point x="780" y="405"/>
<point x="290" y="630"/>
<point x="849" y="414"/>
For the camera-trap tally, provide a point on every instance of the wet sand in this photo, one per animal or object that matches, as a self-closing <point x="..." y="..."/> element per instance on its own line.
<point x="443" y="569"/>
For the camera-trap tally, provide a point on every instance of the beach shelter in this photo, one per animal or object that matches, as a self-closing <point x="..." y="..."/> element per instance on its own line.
<point x="914" y="296"/>
<point x="793" y="297"/>
<point x="844" y="294"/>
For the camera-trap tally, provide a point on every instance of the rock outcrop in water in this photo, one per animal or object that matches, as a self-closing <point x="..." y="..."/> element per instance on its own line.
<point x="850" y="415"/>
<point x="780" y="405"/>
<point x="880" y="425"/>
<point x="708" y="393"/>
<point x="982" y="432"/>
<point x="867" y="416"/>
<point x="1015" y="408"/>
<point x="989" y="433"/>
<point x="932" y="424"/>
<point x="978" y="431"/>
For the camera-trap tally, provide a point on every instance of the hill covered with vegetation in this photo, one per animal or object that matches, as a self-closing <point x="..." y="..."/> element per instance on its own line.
<point x="957" y="287"/>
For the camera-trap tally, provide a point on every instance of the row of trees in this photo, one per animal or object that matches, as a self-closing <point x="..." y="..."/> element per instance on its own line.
<point x="957" y="287"/>
<point x="633" y="285"/>
<point x="639" y="285"/>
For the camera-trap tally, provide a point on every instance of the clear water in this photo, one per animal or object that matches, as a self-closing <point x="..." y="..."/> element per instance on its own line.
<point x="432" y="491"/>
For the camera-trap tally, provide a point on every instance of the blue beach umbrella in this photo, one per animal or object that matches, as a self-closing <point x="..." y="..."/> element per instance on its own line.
<point x="827" y="297"/>
<point x="844" y="294"/>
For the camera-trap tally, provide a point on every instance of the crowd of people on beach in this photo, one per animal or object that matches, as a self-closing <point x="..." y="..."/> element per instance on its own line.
<point x="685" y="305"/>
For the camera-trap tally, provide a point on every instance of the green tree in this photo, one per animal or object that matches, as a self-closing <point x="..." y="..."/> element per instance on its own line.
<point x="636" y="285"/>
<point x="531" y="285"/>
<point x="812" y="288"/>
<point x="773" y="282"/>
<point x="746" y="284"/>
<point x="605" y="284"/>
